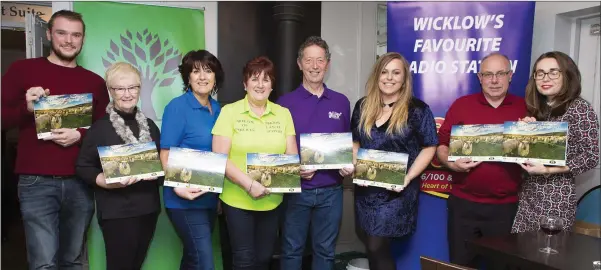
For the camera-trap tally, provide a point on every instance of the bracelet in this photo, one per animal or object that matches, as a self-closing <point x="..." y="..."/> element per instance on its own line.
<point x="547" y="172"/>
<point x="251" y="186"/>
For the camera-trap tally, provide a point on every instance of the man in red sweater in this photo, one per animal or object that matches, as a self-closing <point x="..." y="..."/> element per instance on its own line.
<point x="56" y="207"/>
<point x="483" y="199"/>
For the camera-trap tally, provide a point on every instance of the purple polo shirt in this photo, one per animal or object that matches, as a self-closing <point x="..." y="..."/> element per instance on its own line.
<point x="329" y="113"/>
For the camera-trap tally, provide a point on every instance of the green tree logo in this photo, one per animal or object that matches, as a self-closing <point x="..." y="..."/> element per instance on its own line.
<point x="156" y="60"/>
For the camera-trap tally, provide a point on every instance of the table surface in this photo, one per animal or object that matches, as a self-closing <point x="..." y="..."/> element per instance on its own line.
<point x="576" y="251"/>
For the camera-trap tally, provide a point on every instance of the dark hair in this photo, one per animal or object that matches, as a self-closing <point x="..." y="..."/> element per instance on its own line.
<point x="67" y="14"/>
<point x="199" y="59"/>
<point x="257" y="65"/>
<point x="314" y="40"/>
<point x="570" y="89"/>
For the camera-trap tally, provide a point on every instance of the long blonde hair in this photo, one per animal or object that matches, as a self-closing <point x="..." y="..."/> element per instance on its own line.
<point x="372" y="104"/>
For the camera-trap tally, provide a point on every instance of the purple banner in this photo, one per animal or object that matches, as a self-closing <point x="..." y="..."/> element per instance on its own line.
<point x="444" y="42"/>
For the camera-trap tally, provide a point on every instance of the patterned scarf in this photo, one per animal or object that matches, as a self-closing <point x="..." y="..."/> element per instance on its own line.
<point x="124" y="131"/>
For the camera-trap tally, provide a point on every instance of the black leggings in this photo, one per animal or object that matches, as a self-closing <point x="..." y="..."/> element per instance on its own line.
<point x="378" y="251"/>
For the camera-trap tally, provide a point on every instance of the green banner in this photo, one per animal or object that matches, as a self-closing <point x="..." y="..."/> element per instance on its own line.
<point x="153" y="39"/>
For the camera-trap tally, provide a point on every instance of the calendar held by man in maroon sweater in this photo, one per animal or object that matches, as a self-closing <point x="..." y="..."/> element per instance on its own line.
<point x="39" y="157"/>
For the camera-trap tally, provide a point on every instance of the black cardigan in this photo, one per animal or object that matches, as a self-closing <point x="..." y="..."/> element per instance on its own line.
<point x="138" y="199"/>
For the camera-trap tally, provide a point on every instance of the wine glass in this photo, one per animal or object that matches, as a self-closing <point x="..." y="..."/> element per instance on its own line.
<point x="551" y="225"/>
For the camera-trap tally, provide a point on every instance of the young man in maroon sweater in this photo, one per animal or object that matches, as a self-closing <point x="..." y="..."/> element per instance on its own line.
<point x="56" y="207"/>
<point x="483" y="199"/>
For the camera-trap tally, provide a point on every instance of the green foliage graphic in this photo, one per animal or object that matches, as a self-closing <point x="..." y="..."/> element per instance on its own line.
<point x="156" y="60"/>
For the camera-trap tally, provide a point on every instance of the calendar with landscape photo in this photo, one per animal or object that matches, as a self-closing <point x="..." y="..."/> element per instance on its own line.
<point x="122" y="161"/>
<point x="380" y="168"/>
<point x="62" y="111"/>
<point x="319" y="151"/>
<point x="478" y="142"/>
<point x="196" y="169"/>
<point x="279" y="173"/>
<point x="543" y="142"/>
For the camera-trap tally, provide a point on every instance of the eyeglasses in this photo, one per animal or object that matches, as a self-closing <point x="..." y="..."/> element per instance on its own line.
<point x="553" y="74"/>
<point x="490" y="75"/>
<point x="134" y="89"/>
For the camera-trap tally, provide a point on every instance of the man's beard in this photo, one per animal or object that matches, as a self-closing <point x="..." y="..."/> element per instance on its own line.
<point x="60" y="55"/>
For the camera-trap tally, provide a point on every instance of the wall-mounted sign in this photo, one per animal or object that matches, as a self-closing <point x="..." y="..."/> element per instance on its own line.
<point x="15" y="13"/>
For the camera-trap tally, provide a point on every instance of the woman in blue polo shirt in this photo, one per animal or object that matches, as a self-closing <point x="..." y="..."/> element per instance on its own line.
<point x="187" y="123"/>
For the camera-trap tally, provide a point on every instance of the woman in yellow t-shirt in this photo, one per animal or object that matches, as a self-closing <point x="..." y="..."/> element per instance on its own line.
<point x="252" y="125"/>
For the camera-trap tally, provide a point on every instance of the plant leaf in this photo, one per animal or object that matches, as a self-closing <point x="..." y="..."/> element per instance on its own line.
<point x="171" y="64"/>
<point x="125" y="42"/>
<point x="166" y="43"/>
<point x="145" y="31"/>
<point x="159" y="60"/>
<point x="139" y="37"/>
<point x="110" y="55"/>
<point x="129" y="56"/>
<point x="155" y="49"/>
<point x="166" y="82"/>
<point x="106" y="64"/>
<point x="128" y="34"/>
<point x="114" y="47"/>
<point x="148" y="39"/>
<point x="140" y="53"/>
<point x="168" y="53"/>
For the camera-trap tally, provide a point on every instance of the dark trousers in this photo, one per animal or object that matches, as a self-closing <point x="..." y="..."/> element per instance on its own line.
<point x="194" y="227"/>
<point x="469" y="220"/>
<point x="252" y="235"/>
<point x="126" y="240"/>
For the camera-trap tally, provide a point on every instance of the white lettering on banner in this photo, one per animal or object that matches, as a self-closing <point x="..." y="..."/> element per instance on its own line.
<point x="457" y="23"/>
<point x="441" y="67"/>
<point x="458" y="45"/>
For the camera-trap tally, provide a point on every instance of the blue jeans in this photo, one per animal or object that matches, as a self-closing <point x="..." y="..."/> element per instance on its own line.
<point x="56" y="215"/>
<point x="321" y="210"/>
<point x="194" y="227"/>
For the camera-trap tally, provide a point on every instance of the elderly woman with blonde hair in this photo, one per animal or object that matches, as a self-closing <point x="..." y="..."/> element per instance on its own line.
<point x="127" y="211"/>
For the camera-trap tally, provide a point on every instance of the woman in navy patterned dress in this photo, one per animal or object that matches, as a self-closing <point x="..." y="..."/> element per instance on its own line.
<point x="389" y="118"/>
<point x="553" y="94"/>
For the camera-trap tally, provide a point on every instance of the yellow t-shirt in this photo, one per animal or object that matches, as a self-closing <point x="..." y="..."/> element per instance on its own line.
<point x="252" y="134"/>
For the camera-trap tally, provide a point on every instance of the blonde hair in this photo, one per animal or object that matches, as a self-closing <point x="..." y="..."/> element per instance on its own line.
<point x="372" y="104"/>
<point x="120" y="70"/>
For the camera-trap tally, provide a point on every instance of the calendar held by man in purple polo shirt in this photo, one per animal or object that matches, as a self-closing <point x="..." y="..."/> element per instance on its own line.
<point x="329" y="113"/>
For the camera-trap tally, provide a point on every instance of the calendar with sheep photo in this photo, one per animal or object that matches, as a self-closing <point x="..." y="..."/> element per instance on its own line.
<point x="380" y="168"/>
<point x="62" y="111"/>
<point x="279" y="173"/>
<point x="120" y="162"/>
<point x="478" y="142"/>
<point x="323" y="151"/>
<point x="543" y="142"/>
<point x="196" y="169"/>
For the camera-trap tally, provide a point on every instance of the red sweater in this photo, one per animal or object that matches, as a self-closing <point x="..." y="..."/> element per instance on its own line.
<point x="489" y="182"/>
<point x="41" y="157"/>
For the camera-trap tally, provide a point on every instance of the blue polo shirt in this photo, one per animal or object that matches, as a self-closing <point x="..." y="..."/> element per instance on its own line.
<point x="188" y="124"/>
<point x="330" y="113"/>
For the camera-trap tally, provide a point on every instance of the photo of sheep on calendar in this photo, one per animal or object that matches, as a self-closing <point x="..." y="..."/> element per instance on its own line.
<point x="380" y="168"/>
<point x="120" y="162"/>
<point x="542" y="142"/>
<point x="477" y="142"/>
<point x="62" y="111"/>
<point x="323" y="151"/>
<point x="279" y="173"/>
<point x="195" y="169"/>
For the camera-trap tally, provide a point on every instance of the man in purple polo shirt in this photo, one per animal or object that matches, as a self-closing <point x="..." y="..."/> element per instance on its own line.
<point x="318" y="208"/>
